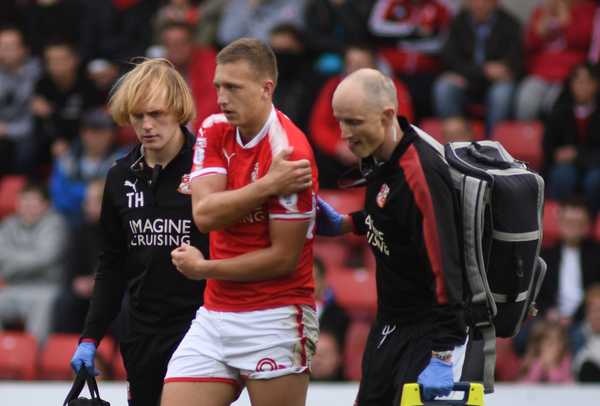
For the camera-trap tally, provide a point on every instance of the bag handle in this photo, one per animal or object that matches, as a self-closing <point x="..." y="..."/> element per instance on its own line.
<point x="484" y="159"/>
<point x="80" y="380"/>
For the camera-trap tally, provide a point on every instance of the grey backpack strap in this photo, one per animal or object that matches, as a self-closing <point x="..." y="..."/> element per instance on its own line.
<point x="474" y="194"/>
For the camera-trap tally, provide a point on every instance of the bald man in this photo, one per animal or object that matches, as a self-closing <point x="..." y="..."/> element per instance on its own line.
<point x="410" y="223"/>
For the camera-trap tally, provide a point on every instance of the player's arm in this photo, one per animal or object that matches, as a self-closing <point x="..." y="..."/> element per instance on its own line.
<point x="281" y="258"/>
<point x="215" y="207"/>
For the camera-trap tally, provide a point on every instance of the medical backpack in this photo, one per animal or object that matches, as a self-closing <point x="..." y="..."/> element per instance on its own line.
<point x="501" y="205"/>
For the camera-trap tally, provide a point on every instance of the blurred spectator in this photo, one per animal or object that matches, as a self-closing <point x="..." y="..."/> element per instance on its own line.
<point x="332" y="317"/>
<point x="586" y="364"/>
<point x="548" y="357"/>
<point x="572" y="139"/>
<point x="557" y="37"/>
<point x="331" y="26"/>
<point x="33" y="254"/>
<point x="457" y="128"/>
<point x="179" y="11"/>
<point x="18" y="74"/>
<point x="411" y="35"/>
<point x="297" y="84"/>
<point x="197" y="66"/>
<point x="73" y="301"/>
<point x="43" y="19"/>
<point x="257" y="18"/>
<point x="327" y="363"/>
<point x="482" y="61"/>
<point x="205" y="32"/>
<point x="88" y="159"/>
<point x="114" y="32"/>
<point x="333" y="324"/>
<point x="573" y="264"/>
<point x="331" y="152"/>
<point x="61" y="97"/>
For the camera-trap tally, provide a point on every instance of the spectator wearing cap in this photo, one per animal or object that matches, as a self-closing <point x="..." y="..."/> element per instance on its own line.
<point x="88" y="158"/>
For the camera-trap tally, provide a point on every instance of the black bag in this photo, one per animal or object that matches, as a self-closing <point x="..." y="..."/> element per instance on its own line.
<point x="502" y="205"/>
<point x="73" y="399"/>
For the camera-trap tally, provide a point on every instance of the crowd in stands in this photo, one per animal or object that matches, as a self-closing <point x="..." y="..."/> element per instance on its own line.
<point x="466" y="65"/>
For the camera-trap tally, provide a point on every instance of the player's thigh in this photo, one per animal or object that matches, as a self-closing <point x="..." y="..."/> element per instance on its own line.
<point x="198" y="394"/>
<point x="287" y="390"/>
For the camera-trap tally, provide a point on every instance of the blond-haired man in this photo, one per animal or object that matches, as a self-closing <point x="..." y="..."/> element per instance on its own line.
<point x="146" y="213"/>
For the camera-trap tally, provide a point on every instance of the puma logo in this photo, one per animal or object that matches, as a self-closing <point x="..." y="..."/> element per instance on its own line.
<point x="132" y="185"/>
<point x="227" y="156"/>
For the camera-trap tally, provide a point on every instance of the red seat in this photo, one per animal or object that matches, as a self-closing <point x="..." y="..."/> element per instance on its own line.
<point x="59" y="349"/>
<point x="433" y="127"/>
<point x="523" y="140"/>
<point x="354" y="288"/>
<point x="18" y="355"/>
<point x="126" y="136"/>
<point x="508" y="363"/>
<point x="551" y="224"/>
<point x="10" y="186"/>
<point x="344" y="201"/>
<point x="334" y="252"/>
<point x="355" y="342"/>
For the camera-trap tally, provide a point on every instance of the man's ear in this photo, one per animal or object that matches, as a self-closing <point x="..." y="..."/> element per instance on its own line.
<point x="387" y="117"/>
<point x="268" y="89"/>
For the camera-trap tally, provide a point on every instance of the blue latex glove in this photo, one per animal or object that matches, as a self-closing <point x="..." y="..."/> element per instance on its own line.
<point x="328" y="220"/>
<point x="437" y="379"/>
<point x="84" y="355"/>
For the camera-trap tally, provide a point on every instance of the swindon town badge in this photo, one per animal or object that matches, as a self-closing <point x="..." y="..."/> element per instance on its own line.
<point x="184" y="186"/>
<point x="382" y="196"/>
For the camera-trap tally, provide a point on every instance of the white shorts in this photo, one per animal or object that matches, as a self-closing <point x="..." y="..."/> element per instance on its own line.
<point x="233" y="346"/>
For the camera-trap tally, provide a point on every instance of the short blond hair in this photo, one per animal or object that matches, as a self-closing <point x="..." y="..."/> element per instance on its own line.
<point x="257" y="54"/>
<point x="133" y="89"/>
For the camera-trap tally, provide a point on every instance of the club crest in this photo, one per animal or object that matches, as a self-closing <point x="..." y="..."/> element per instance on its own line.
<point x="184" y="186"/>
<point x="382" y="195"/>
<point x="254" y="174"/>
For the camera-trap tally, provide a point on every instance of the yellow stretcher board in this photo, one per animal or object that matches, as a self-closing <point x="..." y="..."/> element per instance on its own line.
<point x="473" y="395"/>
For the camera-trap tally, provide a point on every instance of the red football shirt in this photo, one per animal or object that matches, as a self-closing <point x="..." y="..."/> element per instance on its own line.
<point x="220" y="150"/>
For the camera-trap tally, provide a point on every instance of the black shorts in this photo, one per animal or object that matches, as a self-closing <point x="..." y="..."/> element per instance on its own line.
<point x="146" y="357"/>
<point x="394" y="355"/>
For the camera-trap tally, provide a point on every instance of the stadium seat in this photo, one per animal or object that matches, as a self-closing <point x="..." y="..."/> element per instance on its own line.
<point x="433" y="127"/>
<point x="550" y="224"/>
<point x="345" y="201"/>
<point x="354" y="347"/>
<point x="354" y="288"/>
<point x="10" y="186"/>
<point x="56" y="356"/>
<point x="18" y="356"/>
<point x="334" y="252"/>
<point x="523" y="140"/>
<point x="58" y="351"/>
<point x="126" y="136"/>
<point x="508" y="363"/>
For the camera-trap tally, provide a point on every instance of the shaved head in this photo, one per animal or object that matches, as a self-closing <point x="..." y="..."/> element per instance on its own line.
<point x="377" y="89"/>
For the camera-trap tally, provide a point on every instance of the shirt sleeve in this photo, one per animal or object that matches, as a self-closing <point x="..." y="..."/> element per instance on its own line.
<point x="208" y="160"/>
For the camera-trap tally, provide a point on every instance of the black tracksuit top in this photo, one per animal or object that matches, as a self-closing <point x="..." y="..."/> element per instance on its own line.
<point x="411" y="226"/>
<point x="143" y="220"/>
